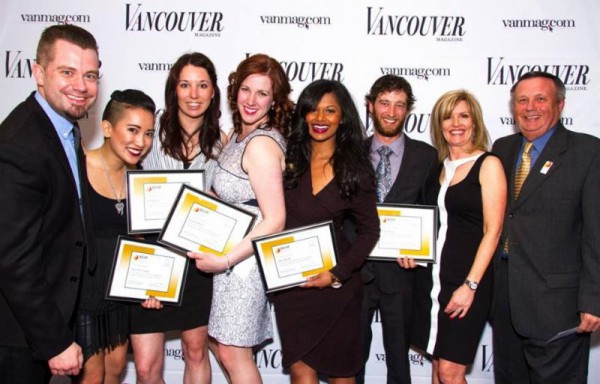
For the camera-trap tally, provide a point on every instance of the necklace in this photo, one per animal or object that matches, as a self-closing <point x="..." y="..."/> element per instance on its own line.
<point x="119" y="205"/>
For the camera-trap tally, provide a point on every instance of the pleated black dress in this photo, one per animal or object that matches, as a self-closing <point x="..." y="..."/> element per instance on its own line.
<point x="322" y="327"/>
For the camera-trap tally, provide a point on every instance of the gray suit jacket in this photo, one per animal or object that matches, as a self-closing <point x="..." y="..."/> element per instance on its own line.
<point x="554" y="232"/>
<point x="416" y="177"/>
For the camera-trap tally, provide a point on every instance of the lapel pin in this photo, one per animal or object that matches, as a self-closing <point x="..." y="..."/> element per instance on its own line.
<point x="546" y="167"/>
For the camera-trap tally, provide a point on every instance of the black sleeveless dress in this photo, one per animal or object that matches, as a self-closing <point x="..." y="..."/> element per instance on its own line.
<point x="101" y="323"/>
<point x="455" y="339"/>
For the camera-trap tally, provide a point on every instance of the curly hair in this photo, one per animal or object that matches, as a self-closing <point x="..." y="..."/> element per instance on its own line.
<point x="171" y="131"/>
<point x="280" y="114"/>
<point x="350" y="159"/>
<point x="391" y="83"/>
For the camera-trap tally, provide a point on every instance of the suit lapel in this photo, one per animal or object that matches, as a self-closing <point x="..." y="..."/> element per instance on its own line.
<point x="408" y="157"/>
<point x="545" y="166"/>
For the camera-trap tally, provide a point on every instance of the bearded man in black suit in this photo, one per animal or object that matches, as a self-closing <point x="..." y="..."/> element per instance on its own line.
<point x="413" y="164"/>
<point x="43" y="210"/>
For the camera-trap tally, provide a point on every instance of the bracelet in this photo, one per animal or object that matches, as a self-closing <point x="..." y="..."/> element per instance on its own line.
<point x="335" y="282"/>
<point x="228" y="270"/>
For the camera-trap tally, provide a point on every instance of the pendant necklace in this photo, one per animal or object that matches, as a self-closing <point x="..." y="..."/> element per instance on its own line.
<point x="119" y="205"/>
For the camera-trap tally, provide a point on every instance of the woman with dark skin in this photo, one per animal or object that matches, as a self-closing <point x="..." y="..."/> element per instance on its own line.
<point x="328" y="176"/>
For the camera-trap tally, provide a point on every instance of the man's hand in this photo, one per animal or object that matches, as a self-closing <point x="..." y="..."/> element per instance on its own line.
<point x="589" y="323"/>
<point x="406" y="262"/>
<point x="68" y="362"/>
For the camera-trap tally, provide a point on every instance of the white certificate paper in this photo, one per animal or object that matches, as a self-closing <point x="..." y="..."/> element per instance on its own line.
<point x="201" y="222"/>
<point x="406" y="231"/>
<point x="287" y="259"/>
<point x="297" y="257"/>
<point x="149" y="272"/>
<point x="399" y="232"/>
<point x="158" y="200"/>
<point x="207" y="227"/>
<point x="142" y="269"/>
<point x="151" y="195"/>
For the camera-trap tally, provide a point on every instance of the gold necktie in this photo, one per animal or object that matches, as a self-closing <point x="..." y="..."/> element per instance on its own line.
<point x="523" y="169"/>
<point x="520" y="177"/>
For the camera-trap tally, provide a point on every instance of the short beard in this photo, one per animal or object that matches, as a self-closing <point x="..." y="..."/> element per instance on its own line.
<point x="382" y="132"/>
<point x="76" y="113"/>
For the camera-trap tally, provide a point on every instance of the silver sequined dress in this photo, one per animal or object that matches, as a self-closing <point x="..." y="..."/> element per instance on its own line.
<point x="240" y="312"/>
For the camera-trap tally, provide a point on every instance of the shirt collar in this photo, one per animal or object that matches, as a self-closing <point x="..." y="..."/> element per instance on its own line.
<point x="396" y="146"/>
<point x="540" y="142"/>
<point x="62" y="125"/>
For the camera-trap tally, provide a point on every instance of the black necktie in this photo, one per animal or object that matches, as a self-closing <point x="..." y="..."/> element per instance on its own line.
<point x="81" y="166"/>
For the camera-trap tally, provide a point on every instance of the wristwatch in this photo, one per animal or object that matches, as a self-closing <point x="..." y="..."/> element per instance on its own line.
<point x="335" y="282"/>
<point x="471" y="284"/>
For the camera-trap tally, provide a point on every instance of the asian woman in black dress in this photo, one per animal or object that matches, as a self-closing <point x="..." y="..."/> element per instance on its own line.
<point x="102" y="326"/>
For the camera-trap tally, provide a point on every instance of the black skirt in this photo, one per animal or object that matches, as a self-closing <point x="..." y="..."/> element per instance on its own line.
<point x="99" y="323"/>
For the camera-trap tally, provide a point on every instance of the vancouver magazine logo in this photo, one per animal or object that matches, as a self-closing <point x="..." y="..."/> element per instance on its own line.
<point x="200" y="23"/>
<point x="17" y="65"/>
<point x="501" y="71"/>
<point x="443" y="28"/>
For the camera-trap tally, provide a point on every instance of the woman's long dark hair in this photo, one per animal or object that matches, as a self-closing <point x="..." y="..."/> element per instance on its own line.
<point x="350" y="159"/>
<point x="171" y="131"/>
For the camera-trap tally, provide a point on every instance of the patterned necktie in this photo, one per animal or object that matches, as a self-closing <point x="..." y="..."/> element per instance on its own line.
<point x="384" y="173"/>
<point x="523" y="169"/>
<point x="520" y="177"/>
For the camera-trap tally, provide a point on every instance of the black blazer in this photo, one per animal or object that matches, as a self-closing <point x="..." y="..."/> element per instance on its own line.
<point x="416" y="177"/>
<point x="554" y="232"/>
<point x="42" y="241"/>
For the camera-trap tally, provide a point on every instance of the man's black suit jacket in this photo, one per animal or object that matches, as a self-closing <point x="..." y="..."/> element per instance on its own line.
<point x="416" y="177"/>
<point x="42" y="237"/>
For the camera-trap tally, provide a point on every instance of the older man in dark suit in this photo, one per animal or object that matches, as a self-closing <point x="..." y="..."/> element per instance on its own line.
<point x="547" y="267"/>
<point x="411" y="165"/>
<point x="43" y="241"/>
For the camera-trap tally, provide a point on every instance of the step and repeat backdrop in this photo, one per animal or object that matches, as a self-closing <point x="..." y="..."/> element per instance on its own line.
<point x="437" y="45"/>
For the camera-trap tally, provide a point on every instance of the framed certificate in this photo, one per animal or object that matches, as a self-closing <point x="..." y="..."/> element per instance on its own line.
<point x="288" y="258"/>
<point x="408" y="231"/>
<point x="200" y="222"/>
<point x="150" y="196"/>
<point x="142" y="269"/>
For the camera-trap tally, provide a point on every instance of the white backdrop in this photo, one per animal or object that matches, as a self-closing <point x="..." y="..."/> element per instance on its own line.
<point x="437" y="45"/>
